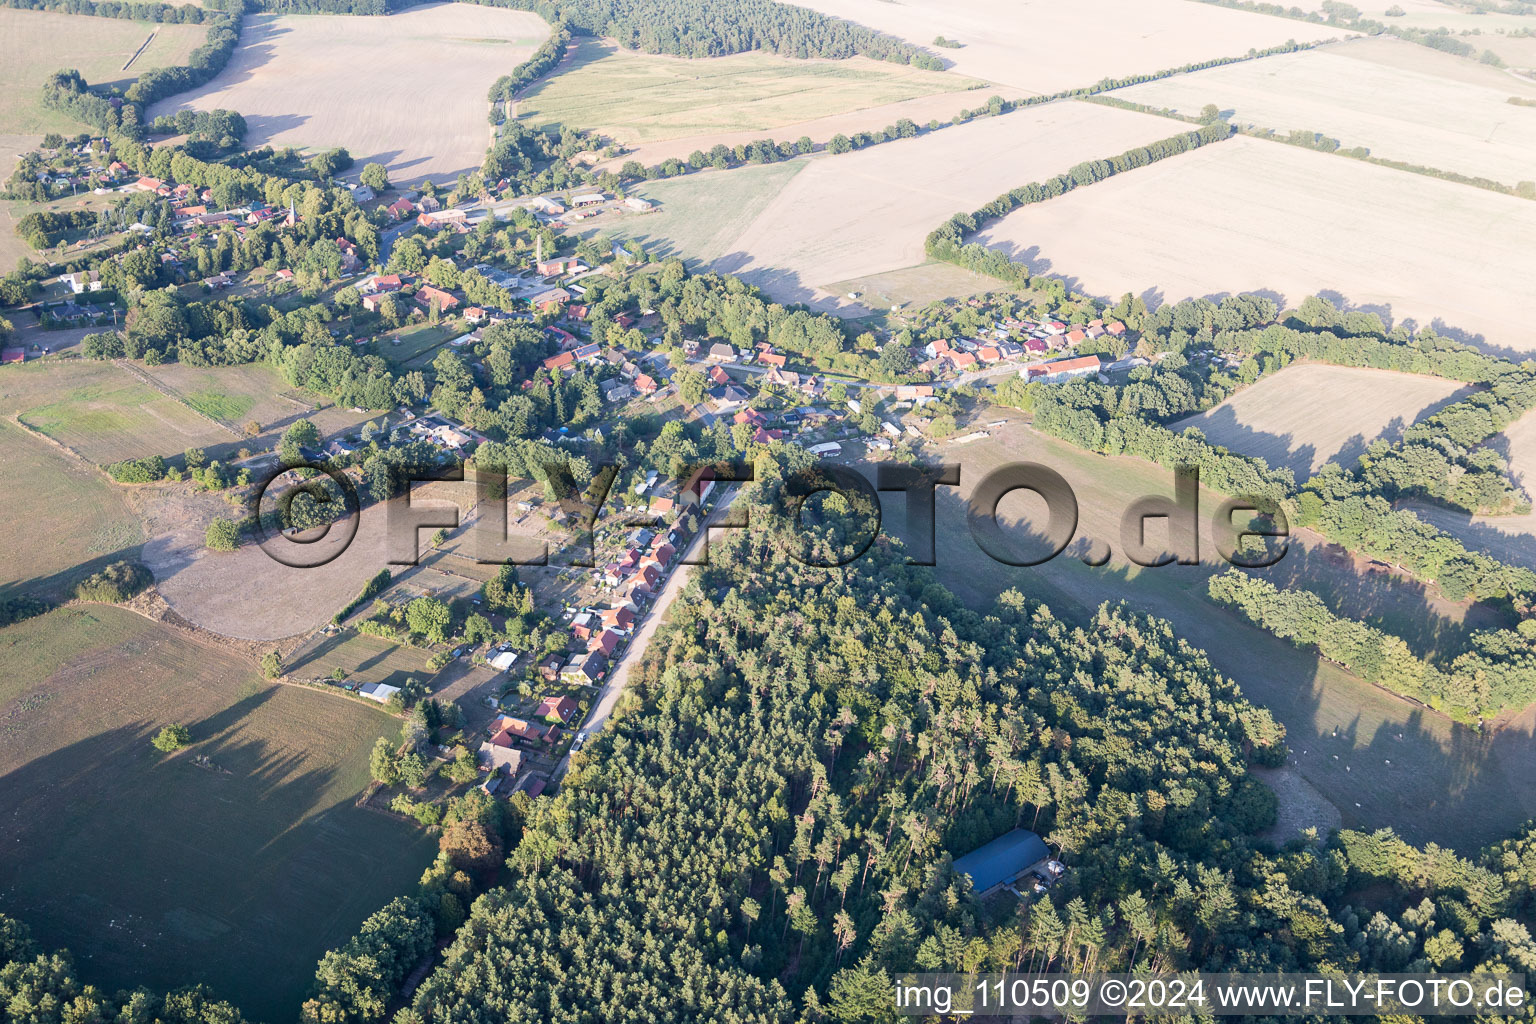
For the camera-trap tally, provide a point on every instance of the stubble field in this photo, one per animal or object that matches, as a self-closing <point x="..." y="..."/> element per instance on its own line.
<point x="407" y="90"/>
<point x="1401" y="101"/>
<point x="1044" y="46"/>
<point x="865" y="213"/>
<point x="1254" y="216"/>
<point x="154" y="870"/>
<point x="1310" y="414"/>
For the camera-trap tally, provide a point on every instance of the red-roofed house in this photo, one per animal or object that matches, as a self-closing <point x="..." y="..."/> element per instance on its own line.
<point x="560" y="362"/>
<point x="988" y="354"/>
<point x="507" y="730"/>
<point x="606" y="642"/>
<point x="645" y="385"/>
<point x="718" y="376"/>
<point x="753" y="417"/>
<point x="427" y="295"/>
<point x="773" y="359"/>
<point x="1115" y="327"/>
<point x="622" y="617"/>
<point x="1076" y="336"/>
<point x="962" y="360"/>
<point x="401" y="208"/>
<point x="556" y="709"/>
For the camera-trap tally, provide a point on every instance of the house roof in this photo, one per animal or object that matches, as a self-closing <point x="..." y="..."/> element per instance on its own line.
<point x="1003" y="859"/>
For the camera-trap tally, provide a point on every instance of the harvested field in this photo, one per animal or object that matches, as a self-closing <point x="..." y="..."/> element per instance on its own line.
<point x="249" y="865"/>
<point x="1446" y="783"/>
<point x="1310" y="414"/>
<point x="1402" y="102"/>
<point x="1044" y="46"/>
<point x="35" y="44"/>
<point x="120" y="417"/>
<point x="1248" y="215"/>
<point x="365" y="659"/>
<point x="407" y="90"/>
<point x="58" y="515"/>
<point x="868" y="212"/>
<point x="635" y="97"/>
<point x="1433" y="14"/>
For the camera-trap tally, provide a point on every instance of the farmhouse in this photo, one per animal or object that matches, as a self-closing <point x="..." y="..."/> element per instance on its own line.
<point x="443" y="218"/>
<point x="1003" y="860"/>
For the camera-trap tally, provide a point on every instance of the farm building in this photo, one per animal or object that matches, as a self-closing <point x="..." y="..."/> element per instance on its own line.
<point x="380" y="692"/>
<point x="639" y="205"/>
<point x="1062" y="369"/>
<point x="588" y="199"/>
<point x="503" y="660"/>
<point x="1002" y="860"/>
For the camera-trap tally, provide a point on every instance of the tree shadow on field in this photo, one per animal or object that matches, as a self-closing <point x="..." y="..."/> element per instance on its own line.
<point x="1382" y="760"/>
<point x="225" y="863"/>
<point x="59" y="586"/>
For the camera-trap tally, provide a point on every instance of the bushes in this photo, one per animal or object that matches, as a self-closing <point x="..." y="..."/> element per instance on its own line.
<point x="222" y="535"/>
<point x="115" y="584"/>
<point x="373" y="588"/>
<point x="138" y="471"/>
<point x="172" y="738"/>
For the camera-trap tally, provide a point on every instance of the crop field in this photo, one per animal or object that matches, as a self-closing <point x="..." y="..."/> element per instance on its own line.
<point x="1255" y="216"/>
<point x="58" y="514"/>
<point x="1415" y="105"/>
<point x="35" y="44"/>
<point x="1445" y="783"/>
<point x="407" y="90"/>
<point x="1518" y="52"/>
<point x="1310" y="414"/>
<point x="1043" y="47"/>
<point x="119" y="417"/>
<point x="868" y="212"/>
<point x="636" y="97"/>
<point x="247" y="865"/>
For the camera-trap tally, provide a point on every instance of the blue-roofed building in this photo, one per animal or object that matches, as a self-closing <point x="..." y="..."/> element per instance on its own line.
<point x="1002" y="860"/>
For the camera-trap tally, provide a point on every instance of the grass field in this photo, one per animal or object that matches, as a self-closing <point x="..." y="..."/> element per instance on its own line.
<point x="701" y="216"/>
<point x="406" y="90"/>
<point x="1445" y="783"/>
<point x="1310" y="414"/>
<point x="1401" y="101"/>
<point x="120" y="417"/>
<point x="232" y="394"/>
<point x="239" y="873"/>
<point x="916" y="286"/>
<point x="416" y="345"/>
<point x="637" y="97"/>
<point x="35" y="44"/>
<point x="365" y="659"/>
<point x="866" y="213"/>
<point x="58" y="514"/>
<point x="1248" y="215"/>
<point x="1045" y="46"/>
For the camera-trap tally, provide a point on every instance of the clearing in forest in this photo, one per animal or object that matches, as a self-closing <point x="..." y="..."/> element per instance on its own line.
<point x="248" y="857"/>
<point x="1401" y="101"/>
<point x="1312" y="413"/>
<point x="1247" y="215"/>
<point x="407" y="90"/>
<point x="1045" y="46"/>
<point x="636" y="97"/>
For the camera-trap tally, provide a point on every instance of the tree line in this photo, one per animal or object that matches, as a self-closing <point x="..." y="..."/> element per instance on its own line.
<point x="1497" y="673"/>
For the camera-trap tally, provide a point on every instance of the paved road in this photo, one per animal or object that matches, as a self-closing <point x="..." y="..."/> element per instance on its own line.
<point x="614" y="688"/>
